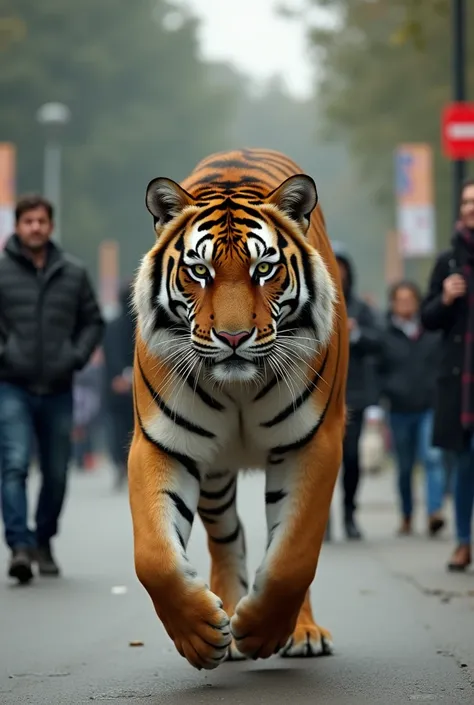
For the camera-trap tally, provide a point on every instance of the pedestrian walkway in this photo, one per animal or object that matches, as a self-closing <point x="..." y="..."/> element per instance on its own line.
<point x="403" y="627"/>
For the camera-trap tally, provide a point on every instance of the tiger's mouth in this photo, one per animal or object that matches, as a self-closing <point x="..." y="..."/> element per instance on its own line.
<point x="233" y="365"/>
<point x="254" y="355"/>
<point x="235" y="358"/>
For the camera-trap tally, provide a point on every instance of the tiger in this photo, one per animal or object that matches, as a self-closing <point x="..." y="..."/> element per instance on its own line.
<point x="241" y="355"/>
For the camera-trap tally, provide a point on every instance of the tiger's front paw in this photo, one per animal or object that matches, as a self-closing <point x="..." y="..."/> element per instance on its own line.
<point x="233" y="653"/>
<point x="200" y="630"/>
<point x="260" y="632"/>
<point x="308" y="640"/>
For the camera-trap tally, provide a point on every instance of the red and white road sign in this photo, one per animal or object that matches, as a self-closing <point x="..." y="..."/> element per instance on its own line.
<point x="458" y="130"/>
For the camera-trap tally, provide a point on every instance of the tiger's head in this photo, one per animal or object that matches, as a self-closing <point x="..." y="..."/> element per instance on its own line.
<point x="232" y="287"/>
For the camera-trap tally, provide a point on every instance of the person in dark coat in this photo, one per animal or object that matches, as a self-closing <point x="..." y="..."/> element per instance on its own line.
<point x="50" y="324"/>
<point x="449" y="308"/>
<point x="361" y="383"/>
<point x="119" y="345"/>
<point x="407" y="365"/>
<point x="87" y="396"/>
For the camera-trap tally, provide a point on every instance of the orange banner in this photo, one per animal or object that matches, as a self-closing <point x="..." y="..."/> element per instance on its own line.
<point x="109" y="273"/>
<point x="415" y="186"/>
<point x="7" y="190"/>
<point x="7" y="174"/>
<point x="414" y="193"/>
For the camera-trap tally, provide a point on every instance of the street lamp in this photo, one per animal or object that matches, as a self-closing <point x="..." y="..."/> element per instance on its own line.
<point x="53" y="117"/>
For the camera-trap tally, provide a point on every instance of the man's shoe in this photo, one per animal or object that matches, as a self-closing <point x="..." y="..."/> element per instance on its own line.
<point x="460" y="560"/>
<point x="20" y="565"/>
<point x="435" y="524"/>
<point x="350" y="526"/>
<point x="405" y="527"/>
<point x="46" y="563"/>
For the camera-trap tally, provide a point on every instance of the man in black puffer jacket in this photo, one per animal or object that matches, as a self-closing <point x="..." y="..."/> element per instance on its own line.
<point x="50" y="324"/>
<point x="361" y="389"/>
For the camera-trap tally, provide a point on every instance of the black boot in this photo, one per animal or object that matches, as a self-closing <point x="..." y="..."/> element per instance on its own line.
<point x="20" y="565"/>
<point x="350" y="526"/>
<point x="46" y="563"/>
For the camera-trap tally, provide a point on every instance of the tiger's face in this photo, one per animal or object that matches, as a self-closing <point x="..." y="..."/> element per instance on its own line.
<point x="232" y="288"/>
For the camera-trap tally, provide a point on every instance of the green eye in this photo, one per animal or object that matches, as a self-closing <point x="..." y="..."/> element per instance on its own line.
<point x="200" y="270"/>
<point x="263" y="268"/>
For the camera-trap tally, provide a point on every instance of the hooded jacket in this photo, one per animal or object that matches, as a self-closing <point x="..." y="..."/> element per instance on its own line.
<point x="362" y="382"/>
<point x="50" y="322"/>
<point x="408" y="368"/>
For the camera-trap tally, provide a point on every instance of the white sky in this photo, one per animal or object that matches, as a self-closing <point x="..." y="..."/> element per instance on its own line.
<point x="251" y="35"/>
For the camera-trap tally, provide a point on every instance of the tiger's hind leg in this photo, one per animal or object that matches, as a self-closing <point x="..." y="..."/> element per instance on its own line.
<point x="308" y="638"/>
<point x="226" y="540"/>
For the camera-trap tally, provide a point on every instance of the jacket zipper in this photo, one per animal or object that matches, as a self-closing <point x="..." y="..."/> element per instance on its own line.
<point x="44" y="278"/>
<point x="40" y="279"/>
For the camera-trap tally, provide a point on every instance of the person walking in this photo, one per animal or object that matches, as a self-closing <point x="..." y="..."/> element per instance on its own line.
<point x="407" y="366"/>
<point x="50" y="324"/>
<point x="449" y="308"/>
<point x="87" y="407"/>
<point x="361" y="383"/>
<point x="119" y="347"/>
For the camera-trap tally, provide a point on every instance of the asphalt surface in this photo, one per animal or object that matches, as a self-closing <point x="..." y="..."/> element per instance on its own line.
<point x="403" y="628"/>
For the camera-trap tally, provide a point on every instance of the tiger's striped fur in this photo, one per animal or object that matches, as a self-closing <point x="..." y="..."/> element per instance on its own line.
<point x="241" y="362"/>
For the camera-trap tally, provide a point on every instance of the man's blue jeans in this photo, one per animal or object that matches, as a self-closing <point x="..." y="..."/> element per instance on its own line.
<point x="463" y="466"/>
<point x="411" y="433"/>
<point x="24" y="416"/>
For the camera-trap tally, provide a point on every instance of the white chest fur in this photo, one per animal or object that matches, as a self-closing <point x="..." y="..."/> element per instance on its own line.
<point x="242" y="432"/>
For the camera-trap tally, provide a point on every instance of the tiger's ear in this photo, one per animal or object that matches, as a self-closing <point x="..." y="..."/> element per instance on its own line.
<point x="297" y="196"/>
<point x="165" y="199"/>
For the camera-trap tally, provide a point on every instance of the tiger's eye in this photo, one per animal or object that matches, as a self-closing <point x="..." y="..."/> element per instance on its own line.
<point x="263" y="268"/>
<point x="200" y="270"/>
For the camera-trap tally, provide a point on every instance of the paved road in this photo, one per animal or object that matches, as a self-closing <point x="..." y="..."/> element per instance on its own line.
<point x="404" y="629"/>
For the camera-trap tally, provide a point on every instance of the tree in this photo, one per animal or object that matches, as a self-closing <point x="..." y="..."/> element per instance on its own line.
<point x="140" y="100"/>
<point x="386" y="77"/>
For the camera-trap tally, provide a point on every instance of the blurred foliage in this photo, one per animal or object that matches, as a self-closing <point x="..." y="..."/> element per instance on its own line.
<point x="141" y="103"/>
<point x="386" y="69"/>
<point x="412" y="28"/>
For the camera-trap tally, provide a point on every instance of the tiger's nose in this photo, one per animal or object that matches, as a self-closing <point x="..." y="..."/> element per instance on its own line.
<point x="233" y="339"/>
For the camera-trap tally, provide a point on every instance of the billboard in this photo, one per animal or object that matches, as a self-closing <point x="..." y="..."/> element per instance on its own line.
<point x="415" y="200"/>
<point x="7" y="190"/>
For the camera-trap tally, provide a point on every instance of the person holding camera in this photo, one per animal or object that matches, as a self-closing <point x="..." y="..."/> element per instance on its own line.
<point x="449" y="307"/>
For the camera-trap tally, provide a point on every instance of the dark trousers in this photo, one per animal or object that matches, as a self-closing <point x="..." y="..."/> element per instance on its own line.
<point x="120" y="431"/>
<point x="411" y="433"/>
<point x="463" y="469"/>
<point x="24" y="416"/>
<point x="350" y="459"/>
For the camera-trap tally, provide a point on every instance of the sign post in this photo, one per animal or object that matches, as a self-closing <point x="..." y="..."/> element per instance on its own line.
<point x="415" y="200"/>
<point x="458" y="62"/>
<point x="457" y="138"/>
<point x="7" y="190"/>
